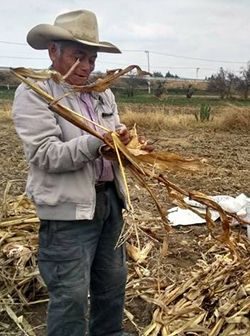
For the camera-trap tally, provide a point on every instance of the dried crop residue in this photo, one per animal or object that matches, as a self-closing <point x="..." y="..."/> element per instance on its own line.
<point x="168" y="262"/>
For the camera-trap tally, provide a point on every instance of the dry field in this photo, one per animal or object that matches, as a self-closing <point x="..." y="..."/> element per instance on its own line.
<point x="224" y="142"/>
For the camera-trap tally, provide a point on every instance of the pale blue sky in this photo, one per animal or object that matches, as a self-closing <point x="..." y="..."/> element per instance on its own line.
<point x="186" y="37"/>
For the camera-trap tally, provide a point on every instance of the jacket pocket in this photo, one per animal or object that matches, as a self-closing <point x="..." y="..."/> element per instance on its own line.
<point x="107" y="115"/>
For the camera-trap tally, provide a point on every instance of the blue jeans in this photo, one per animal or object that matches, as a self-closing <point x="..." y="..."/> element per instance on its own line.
<point x="78" y="258"/>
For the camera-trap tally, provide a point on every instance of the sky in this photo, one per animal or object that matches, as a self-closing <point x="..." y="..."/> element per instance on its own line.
<point x="190" y="38"/>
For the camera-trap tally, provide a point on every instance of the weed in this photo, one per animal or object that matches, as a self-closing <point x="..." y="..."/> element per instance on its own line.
<point x="204" y="113"/>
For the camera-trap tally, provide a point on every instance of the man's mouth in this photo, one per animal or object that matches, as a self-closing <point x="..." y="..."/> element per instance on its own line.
<point x="82" y="76"/>
<point x="78" y="79"/>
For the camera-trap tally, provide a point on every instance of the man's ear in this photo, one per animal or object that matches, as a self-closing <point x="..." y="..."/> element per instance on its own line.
<point x="52" y="49"/>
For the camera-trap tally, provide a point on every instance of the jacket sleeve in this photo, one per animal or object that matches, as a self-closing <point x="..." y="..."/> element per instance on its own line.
<point x="37" y="127"/>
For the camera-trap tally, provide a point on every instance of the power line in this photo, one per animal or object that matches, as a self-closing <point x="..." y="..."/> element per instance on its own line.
<point x="198" y="59"/>
<point x="101" y="62"/>
<point x="114" y="63"/>
<point x="161" y="66"/>
<point x="187" y="57"/>
<point x="156" y="53"/>
<point x="183" y="68"/>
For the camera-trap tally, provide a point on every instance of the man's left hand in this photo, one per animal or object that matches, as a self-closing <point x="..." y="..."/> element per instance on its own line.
<point x="124" y="135"/>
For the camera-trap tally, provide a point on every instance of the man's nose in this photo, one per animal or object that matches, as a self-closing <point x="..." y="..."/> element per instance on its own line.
<point x="84" y="64"/>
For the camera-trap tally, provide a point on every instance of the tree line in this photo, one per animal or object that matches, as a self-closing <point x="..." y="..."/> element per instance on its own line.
<point x="227" y="84"/>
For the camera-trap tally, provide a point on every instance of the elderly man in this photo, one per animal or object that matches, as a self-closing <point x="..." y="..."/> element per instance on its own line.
<point x="78" y="194"/>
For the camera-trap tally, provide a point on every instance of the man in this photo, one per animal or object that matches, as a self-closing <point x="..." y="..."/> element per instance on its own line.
<point x="78" y="194"/>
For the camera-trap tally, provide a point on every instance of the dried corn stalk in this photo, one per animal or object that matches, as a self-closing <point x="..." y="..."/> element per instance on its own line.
<point x="142" y="165"/>
<point x="20" y="282"/>
<point x="213" y="300"/>
<point x="100" y="85"/>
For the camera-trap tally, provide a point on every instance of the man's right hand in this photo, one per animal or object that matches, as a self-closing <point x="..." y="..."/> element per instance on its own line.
<point x="122" y="133"/>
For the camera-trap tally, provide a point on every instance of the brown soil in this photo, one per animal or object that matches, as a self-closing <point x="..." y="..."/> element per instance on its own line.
<point x="227" y="152"/>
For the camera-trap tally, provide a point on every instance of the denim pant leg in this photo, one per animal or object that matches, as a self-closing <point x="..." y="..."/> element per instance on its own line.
<point x="108" y="274"/>
<point x="73" y="254"/>
<point x="65" y="256"/>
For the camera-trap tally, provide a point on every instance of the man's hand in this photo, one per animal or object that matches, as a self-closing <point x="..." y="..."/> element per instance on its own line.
<point x="146" y="144"/>
<point x="106" y="150"/>
<point x="123" y="135"/>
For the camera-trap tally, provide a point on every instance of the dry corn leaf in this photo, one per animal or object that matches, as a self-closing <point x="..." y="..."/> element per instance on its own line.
<point x="39" y="74"/>
<point x="20" y="253"/>
<point x="170" y="161"/>
<point x="192" y="324"/>
<point x="20" y="321"/>
<point x="159" y="160"/>
<point x="137" y="254"/>
<point x="100" y="85"/>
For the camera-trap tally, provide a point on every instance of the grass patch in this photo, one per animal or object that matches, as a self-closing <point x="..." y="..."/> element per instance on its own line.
<point x="6" y="110"/>
<point x="233" y="118"/>
<point x="194" y="101"/>
<point x="6" y="94"/>
<point x="157" y="120"/>
<point x="225" y="118"/>
<point x="179" y="100"/>
<point x="174" y="112"/>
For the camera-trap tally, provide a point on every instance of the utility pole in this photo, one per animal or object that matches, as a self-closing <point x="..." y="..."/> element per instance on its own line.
<point x="197" y="70"/>
<point x="148" y="82"/>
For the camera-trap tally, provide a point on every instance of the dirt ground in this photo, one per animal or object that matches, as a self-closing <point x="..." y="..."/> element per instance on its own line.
<point x="227" y="152"/>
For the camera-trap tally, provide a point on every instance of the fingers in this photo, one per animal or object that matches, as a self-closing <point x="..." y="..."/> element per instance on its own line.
<point x="148" y="148"/>
<point x="142" y="139"/>
<point x="146" y="144"/>
<point x="124" y="136"/>
<point x="108" y="153"/>
<point x="108" y="138"/>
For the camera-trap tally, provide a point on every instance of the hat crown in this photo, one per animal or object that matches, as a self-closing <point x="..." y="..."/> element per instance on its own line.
<point x="82" y="24"/>
<point x="76" y="26"/>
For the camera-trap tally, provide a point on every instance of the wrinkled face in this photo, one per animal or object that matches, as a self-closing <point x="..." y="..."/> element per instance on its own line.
<point x="64" y="54"/>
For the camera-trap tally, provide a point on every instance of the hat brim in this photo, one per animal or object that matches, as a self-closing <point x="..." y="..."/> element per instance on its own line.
<point x="41" y="35"/>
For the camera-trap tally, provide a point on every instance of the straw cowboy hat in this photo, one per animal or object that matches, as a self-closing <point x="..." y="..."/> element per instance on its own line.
<point x="78" y="26"/>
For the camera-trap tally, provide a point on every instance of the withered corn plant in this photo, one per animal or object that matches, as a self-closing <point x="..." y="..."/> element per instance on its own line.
<point x="141" y="164"/>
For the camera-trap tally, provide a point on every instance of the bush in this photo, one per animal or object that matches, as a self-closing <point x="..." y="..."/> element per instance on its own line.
<point x="204" y="113"/>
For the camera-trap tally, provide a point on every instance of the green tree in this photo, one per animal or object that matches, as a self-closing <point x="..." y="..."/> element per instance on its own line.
<point x="169" y="75"/>
<point x="157" y="74"/>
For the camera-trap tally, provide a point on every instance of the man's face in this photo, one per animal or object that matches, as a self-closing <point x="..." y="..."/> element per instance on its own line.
<point x="69" y="54"/>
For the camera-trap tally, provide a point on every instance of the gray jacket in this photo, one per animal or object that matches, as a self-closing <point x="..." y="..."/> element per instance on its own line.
<point x="61" y="179"/>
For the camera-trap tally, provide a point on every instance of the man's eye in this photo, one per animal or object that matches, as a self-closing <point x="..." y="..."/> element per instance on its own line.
<point x="85" y="59"/>
<point x="74" y="58"/>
